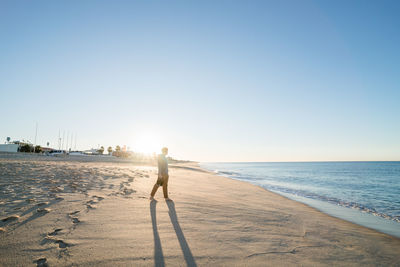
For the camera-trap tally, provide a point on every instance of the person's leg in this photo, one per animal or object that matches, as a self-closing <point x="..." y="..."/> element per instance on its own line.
<point x="153" y="192"/>
<point x="165" y="186"/>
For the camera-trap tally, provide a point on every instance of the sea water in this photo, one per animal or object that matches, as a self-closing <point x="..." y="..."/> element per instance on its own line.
<point x="366" y="193"/>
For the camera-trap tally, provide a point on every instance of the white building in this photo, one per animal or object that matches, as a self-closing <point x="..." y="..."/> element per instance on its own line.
<point x="93" y="151"/>
<point x="9" y="147"/>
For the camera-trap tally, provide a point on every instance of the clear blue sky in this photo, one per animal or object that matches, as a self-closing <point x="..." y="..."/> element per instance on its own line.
<point x="212" y="80"/>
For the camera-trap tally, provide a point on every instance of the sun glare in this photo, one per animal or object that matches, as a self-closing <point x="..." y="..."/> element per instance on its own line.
<point x="147" y="143"/>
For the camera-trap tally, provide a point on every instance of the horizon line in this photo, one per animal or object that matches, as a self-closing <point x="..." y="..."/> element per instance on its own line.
<point x="297" y="161"/>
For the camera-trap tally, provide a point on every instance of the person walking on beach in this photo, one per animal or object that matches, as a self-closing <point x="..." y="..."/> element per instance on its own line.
<point x="162" y="174"/>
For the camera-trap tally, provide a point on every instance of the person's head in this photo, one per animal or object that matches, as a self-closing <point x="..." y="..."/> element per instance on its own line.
<point x="164" y="150"/>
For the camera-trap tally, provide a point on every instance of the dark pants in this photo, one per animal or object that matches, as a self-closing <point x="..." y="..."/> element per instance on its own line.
<point x="161" y="181"/>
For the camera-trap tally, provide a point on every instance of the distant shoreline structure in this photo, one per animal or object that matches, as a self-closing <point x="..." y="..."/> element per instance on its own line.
<point x="118" y="151"/>
<point x="140" y="158"/>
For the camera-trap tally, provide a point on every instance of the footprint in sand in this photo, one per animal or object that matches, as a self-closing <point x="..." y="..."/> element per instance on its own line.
<point x="43" y="210"/>
<point x="128" y="191"/>
<point x="62" y="244"/>
<point x="56" y="189"/>
<point x="74" y="219"/>
<point x="90" y="202"/>
<point x="42" y="262"/>
<point x="10" y="218"/>
<point x="98" y="198"/>
<point x="95" y="200"/>
<point x="43" y="203"/>
<point x="88" y="206"/>
<point x="2" y="230"/>
<point x="55" y="232"/>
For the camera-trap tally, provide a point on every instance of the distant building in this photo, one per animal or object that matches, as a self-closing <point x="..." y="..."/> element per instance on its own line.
<point x="47" y="149"/>
<point x="9" y="147"/>
<point x="93" y="151"/>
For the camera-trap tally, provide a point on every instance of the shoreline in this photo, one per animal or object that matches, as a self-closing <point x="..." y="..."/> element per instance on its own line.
<point x="359" y="217"/>
<point x="339" y="212"/>
<point x="212" y="220"/>
<point x="368" y="220"/>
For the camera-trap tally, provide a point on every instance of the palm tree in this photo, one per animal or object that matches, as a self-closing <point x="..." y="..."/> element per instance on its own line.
<point x="101" y="150"/>
<point x="109" y="149"/>
<point x="117" y="148"/>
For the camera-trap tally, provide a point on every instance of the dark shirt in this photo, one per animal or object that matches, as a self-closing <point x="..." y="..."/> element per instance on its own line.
<point x="162" y="165"/>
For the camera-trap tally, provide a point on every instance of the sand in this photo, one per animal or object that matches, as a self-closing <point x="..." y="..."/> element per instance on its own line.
<point x="71" y="212"/>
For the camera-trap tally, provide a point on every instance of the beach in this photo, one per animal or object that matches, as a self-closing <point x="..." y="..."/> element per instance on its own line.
<point x="96" y="212"/>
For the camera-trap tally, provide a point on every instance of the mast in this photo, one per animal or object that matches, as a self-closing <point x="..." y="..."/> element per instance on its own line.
<point x="34" y="146"/>
<point x="62" y="144"/>
<point x="59" y="139"/>
<point x="75" y="140"/>
<point x="66" y="146"/>
<point x="72" y="140"/>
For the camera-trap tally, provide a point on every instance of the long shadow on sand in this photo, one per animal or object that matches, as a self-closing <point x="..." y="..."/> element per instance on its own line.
<point x="181" y="237"/>
<point x="158" y="253"/>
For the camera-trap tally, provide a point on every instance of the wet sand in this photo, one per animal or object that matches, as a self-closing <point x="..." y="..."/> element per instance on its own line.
<point x="96" y="212"/>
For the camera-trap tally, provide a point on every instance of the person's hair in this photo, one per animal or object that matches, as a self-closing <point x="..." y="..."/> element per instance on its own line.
<point x="164" y="149"/>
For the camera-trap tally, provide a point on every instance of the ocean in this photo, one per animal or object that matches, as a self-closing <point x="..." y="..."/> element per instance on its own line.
<point x="365" y="193"/>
